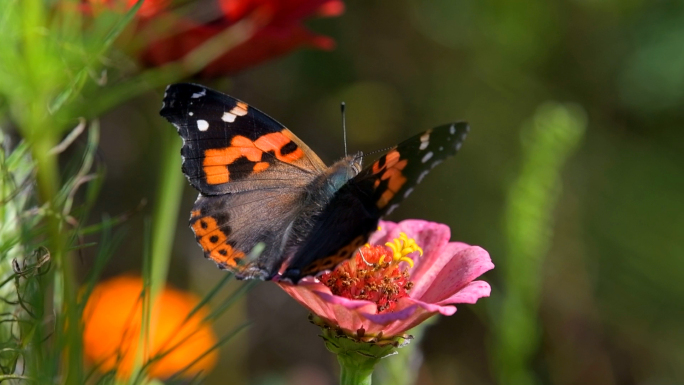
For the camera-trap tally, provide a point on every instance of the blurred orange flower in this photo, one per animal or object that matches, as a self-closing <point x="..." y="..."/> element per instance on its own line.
<point x="112" y="320"/>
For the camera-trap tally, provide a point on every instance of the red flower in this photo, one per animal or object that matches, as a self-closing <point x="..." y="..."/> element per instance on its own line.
<point x="408" y="273"/>
<point x="279" y="30"/>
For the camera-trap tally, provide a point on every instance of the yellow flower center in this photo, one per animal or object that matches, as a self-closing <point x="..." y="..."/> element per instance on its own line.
<point x="402" y="247"/>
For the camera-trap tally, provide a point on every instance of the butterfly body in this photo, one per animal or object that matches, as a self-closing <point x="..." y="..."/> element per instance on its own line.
<point x="268" y="206"/>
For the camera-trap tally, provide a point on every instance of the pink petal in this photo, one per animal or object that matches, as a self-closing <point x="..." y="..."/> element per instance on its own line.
<point x="392" y="316"/>
<point x="349" y="314"/>
<point x="469" y="294"/>
<point x="410" y="314"/>
<point x="349" y="304"/>
<point x="424" y="275"/>
<point x="304" y="294"/>
<point x="466" y="265"/>
<point x="431" y="307"/>
<point x="344" y="312"/>
<point x="381" y="236"/>
<point x="430" y="236"/>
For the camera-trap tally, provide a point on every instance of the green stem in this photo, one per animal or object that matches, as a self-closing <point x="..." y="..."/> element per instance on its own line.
<point x="356" y="354"/>
<point x="166" y="209"/>
<point x="164" y="219"/>
<point x="47" y="176"/>
<point x="356" y="370"/>
<point x="403" y="367"/>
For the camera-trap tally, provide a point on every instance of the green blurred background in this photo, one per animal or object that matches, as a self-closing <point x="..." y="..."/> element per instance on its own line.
<point x="608" y="291"/>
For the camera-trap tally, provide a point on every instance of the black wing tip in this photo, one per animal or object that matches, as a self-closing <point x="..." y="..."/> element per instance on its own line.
<point x="458" y="130"/>
<point x="174" y="86"/>
<point x="459" y="126"/>
<point x="179" y="91"/>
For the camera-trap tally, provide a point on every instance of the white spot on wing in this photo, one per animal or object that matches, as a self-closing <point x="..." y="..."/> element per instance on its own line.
<point x="191" y="113"/>
<point x="441" y="148"/>
<point x="408" y="192"/>
<point x="426" y="157"/>
<point x="392" y="208"/>
<point x="202" y="125"/>
<point x="199" y="94"/>
<point x="452" y="129"/>
<point x="458" y="146"/>
<point x="435" y="164"/>
<point x="228" y="117"/>
<point x="422" y="175"/>
<point x="424" y="140"/>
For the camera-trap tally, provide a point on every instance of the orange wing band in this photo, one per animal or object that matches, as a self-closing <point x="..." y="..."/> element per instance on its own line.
<point x="217" y="160"/>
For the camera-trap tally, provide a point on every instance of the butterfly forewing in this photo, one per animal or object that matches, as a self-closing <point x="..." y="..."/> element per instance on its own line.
<point x="353" y="213"/>
<point x="229" y="146"/>
<point x="394" y="175"/>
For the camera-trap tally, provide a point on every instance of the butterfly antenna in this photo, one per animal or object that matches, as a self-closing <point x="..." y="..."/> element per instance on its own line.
<point x="344" y="126"/>
<point x="380" y="150"/>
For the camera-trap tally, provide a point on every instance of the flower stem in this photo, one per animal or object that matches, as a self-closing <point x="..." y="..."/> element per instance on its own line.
<point x="357" y="355"/>
<point x="356" y="370"/>
<point x="64" y="297"/>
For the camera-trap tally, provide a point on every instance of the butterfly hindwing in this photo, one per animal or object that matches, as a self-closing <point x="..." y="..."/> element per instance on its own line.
<point x="353" y="213"/>
<point x="232" y="227"/>
<point x="229" y="146"/>
<point x="344" y="225"/>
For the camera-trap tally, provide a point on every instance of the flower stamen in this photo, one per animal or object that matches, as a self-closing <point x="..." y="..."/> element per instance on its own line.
<point x="402" y="247"/>
<point x="375" y="273"/>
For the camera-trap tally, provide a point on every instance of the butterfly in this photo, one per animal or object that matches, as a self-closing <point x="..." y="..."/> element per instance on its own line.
<point x="268" y="206"/>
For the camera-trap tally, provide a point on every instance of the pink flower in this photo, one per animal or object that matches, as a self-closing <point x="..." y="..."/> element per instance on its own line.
<point x="378" y="292"/>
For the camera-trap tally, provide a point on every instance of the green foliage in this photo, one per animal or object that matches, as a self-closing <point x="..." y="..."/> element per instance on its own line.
<point x="549" y="138"/>
<point x="53" y="75"/>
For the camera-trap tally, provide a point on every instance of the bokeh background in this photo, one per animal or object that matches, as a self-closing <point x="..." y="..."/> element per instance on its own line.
<point x="601" y="301"/>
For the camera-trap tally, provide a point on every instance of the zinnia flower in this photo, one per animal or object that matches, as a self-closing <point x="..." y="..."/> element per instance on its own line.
<point x="408" y="272"/>
<point x="279" y="30"/>
<point x="112" y="321"/>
